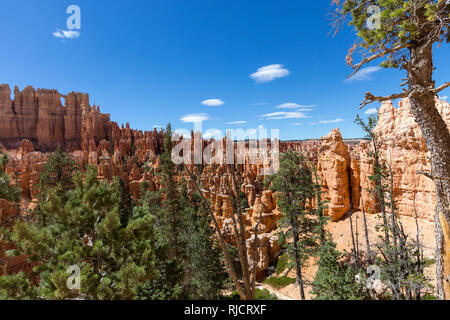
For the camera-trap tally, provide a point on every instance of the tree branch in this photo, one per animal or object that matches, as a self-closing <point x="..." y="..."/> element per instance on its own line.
<point x="228" y="260"/>
<point x="370" y="98"/>
<point x="358" y="66"/>
<point x="444" y="86"/>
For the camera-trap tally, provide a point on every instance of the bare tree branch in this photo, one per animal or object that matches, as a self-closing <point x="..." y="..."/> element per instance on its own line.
<point x="358" y="66"/>
<point x="370" y="98"/>
<point x="444" y="86"/>
<point x="231" y="270"/>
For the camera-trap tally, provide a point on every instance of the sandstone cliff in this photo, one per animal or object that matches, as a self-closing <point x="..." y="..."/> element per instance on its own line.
<point x="35" y="122"/>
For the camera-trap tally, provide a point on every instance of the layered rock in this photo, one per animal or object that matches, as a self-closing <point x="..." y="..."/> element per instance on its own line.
<point x="35" y="123"/>
<point x="405" y="150"/>
<point x="334" y="169"/>
<point x="38" y="117"/>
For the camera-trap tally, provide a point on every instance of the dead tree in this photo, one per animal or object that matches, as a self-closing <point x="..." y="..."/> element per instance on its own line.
<point x="248" y="274"/>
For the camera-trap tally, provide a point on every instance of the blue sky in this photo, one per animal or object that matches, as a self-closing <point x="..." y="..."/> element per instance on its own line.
<point x="153" y="61"/>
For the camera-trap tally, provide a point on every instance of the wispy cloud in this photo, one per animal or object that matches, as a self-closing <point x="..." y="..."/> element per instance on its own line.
<point x="213" y="103"/>
<point x="327" y="121"/>
<point x="443" y="98"/>
<point x="296" y="124"/>
<point x="283" y="115"/>
<point x="260" y="104"/>
<point x="254" y="132"/>
<point x="213" y="133"/>
<point x="237" y="122"/>
<point x="66" y="34"/>
<point x="291" y="105"/>
<point x="371" y="111"/>
<point x="156" y="126"/>
<point x="200" y="117"/>
<point x="363" y="74"/>
<point x="270" y="73"/>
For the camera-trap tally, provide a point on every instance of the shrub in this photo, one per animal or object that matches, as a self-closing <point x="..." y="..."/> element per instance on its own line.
<point x="279" y="282"/>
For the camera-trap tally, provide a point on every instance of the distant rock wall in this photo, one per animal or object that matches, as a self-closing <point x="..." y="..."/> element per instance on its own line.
<point x="36" y="123"/>
<point x="345" y="170"/>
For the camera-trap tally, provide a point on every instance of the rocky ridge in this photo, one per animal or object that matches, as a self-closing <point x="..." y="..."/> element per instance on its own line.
<point x="35" y="122"/>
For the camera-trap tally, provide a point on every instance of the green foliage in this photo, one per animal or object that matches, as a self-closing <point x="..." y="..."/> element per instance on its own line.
<point x="58" y="170"/>
<point x="126" y="203"/>
<point x="402" y="22"/>
<point x="399" y="258"/>
<point x="264" y="295"/>
<point x="335" y="278"/>
<point x="279" y="282"/>
<point x="283" y="263"/>
<point x="189" y="259"/>
<point x="296" y="191"/>
<point x="430" y="297"/>
<point x="7" y="191"/>
<point x="3" y="161"/>
<point x="261" y="295"/>
<point x="205" y="268"/>
<point x="16" y="287"/>
<point x="369" y="126"/>
<point x="84" y="228"/>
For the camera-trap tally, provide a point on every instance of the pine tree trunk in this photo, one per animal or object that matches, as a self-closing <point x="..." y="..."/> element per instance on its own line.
<point x="366" y="235"/>
<point x="437" y="138"/>
<point x="298" y="265"/>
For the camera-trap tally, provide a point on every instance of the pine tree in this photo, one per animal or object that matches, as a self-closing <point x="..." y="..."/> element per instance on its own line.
<point x="400" y="258"/>
<point x="335" y="278"/>
<point x="189" y="263"/>
<point x="404" y="34"/>
<point x="58" y="170"/>
<point x="294" y="183"/>
<point x="205" y="270"/>
<point x="173" y="214"/>
<point x="85" y="230"/>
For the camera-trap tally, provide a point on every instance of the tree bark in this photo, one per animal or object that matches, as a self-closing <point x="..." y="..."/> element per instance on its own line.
<point x="437" y="137"/>
<point x="298" y="263"/>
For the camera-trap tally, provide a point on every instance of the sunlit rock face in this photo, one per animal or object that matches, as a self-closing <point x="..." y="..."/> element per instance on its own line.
<point x="405" y="150"/>
<point x="36" y="122"/>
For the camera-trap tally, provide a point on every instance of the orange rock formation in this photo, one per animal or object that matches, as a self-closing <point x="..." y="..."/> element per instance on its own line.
<point x="35" y="123"/>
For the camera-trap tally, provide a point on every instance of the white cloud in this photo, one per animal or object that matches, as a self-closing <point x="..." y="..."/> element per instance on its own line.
<point x="443" y="98"/>
<point x="291" y="105"/>
<point x="66" y="34"/>
<point x="213" y="103"/>
<point x="157" y="127"/>
<point x="200" y="117"/>
<point x="363" y="74"/>
<point x="327" y="121"/>
<point x="253" y="133"/>
<point x="296" y="124"/>
<point x="260" y="104"/>
<point x="183" y="133"/>
<point x="283" y="115"/>
<point x="237" y="122"/>
<point x="270" y="73"/>
<point x="213" y="133"/>
<point x="371" y="111"/>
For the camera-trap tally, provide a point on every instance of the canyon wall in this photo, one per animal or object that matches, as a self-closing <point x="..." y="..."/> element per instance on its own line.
<point x="35" y="122"/>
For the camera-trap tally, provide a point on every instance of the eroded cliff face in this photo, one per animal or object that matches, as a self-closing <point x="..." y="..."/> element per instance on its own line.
<point x="334" y="168"/>
<point x="345" y="170"/>
<point x="36" y="122"/>
<point x="405" y="150"/>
